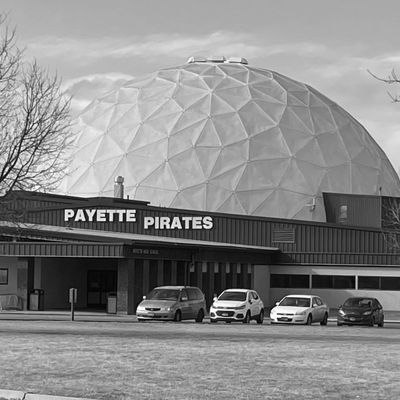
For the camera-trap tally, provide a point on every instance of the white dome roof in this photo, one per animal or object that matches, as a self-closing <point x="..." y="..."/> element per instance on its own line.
<point x="226" y="137"/>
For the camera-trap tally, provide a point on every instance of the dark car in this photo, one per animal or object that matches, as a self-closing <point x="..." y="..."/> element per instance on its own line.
<point x="360" y="311"/>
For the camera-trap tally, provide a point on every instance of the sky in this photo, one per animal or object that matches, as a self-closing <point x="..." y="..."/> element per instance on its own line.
<point x="94" y="45"/>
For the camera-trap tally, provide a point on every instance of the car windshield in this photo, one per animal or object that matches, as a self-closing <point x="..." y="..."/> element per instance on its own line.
<point x="163" y="294"/>
<point x="358" y="302"/>
<point x="234" y="296"/>
<point x="295" y="302"/>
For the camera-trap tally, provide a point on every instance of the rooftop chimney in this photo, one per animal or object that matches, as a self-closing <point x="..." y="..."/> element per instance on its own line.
<point x="119" y="187"/>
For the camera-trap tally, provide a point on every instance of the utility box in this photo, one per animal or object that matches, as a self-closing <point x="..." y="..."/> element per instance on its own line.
<point x="112" y="303"/>
<point x="36" y="300"/>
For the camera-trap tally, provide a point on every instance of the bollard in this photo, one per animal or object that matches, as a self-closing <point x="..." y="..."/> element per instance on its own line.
<point x="73" y="297"/>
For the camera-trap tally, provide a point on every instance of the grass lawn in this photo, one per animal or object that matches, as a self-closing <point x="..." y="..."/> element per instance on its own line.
<point x="191" y="361"/>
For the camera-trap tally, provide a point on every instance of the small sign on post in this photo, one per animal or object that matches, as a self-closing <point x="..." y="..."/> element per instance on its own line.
<point x="73" y="297"/>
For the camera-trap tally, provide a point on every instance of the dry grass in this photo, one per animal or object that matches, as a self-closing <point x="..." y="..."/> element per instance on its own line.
<point x="190" y="361"/>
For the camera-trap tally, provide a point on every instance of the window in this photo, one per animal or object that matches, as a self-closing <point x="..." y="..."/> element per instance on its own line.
<point x="322" y="281"/>
<point x="368" y="282"/>
<point x="379" y="282"/>
<point x="333" y="282"/>
<point x="290" y="281"/>
<point x="390" y="283"/>
<point x="4" y="276"/>
<point x="342" y="217"/>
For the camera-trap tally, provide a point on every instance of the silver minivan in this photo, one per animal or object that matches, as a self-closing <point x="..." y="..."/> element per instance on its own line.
<point x="172" y="303"/>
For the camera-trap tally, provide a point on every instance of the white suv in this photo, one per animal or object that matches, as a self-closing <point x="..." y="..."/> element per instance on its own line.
<point x="237" y="305"/>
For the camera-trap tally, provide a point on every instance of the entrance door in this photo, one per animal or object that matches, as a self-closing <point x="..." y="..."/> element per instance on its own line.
<point x="99" y="284"/>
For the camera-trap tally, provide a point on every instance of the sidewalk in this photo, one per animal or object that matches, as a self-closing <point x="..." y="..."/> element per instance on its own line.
<point x="93" y="316"/>
<point x="19" y="395"/>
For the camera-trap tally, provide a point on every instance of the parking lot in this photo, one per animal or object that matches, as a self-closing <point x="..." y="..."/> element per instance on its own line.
<point x="106" y="359"/>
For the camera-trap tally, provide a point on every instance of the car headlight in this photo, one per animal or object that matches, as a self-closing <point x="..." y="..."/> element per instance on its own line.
<point x="341" y="312"/>
<point x="369" y="312"/>
<point x="239" y="307"/>
<point x="140" y="308"/>
<point x="301" y="312"/>
<point x="273" y="311"/>
<point x="167" y="308"/>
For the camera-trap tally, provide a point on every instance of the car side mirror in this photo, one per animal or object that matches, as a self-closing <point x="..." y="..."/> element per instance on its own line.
<point x="144" y="297"/>
<point x="215" y="298"/>
<point x="250" y="302"/>
<point x="277" y="303"/>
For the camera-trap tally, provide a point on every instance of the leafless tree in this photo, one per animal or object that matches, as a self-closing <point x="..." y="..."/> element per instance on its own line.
<point x="35" y="126"/>
<point x="392" y="78"/>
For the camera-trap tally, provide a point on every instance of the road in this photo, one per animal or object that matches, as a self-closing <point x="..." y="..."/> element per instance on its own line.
<point x="204" y="331"/>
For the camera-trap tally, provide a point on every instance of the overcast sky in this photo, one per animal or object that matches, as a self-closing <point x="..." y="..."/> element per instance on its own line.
<point x="92" y="44"/>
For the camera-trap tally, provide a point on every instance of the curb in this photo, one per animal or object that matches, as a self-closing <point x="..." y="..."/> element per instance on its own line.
<point x="19" y="395"/>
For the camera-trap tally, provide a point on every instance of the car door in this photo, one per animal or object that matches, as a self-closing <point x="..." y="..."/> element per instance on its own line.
<point x="184" y="305"/>
<point x="256" y="304"/>
<point x="316" y="309"/>
<point x="377" y="307"/>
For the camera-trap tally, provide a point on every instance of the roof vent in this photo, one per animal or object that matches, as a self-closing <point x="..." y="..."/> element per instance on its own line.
<point x="237" y="60"/>
<point x="195" y="59"/>
<point x="216" y="59"/>
<point x="119" y="187"/>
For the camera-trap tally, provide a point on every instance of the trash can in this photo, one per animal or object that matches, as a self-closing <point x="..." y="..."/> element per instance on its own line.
<point x="36" y="300"/>
<point x="112" y="303"/>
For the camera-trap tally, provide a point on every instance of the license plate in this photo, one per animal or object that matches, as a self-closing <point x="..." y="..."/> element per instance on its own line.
<point x="352" y="319"/>
<point x="150" y="314"/>
<point x="224" y="314"/>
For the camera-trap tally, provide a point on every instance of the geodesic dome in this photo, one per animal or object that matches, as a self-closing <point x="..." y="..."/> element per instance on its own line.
<point x="226" y="137"/>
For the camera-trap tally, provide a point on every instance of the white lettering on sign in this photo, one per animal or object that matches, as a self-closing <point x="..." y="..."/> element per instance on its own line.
<point x="119" y="215"/>
<point x="177" y="223"/>
<point x="99" y="215"/>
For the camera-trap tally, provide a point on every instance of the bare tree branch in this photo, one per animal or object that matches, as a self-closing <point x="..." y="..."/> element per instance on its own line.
<point x="390" y="79"/>
<point x="35" y="125"/>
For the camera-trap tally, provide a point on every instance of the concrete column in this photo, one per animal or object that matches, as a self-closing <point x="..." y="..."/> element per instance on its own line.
<point x="125" y="286"/>
<point x="37" y="275"/>
<point x="22" y="282"/>
<point x="210" y="270"/>
<point x="261" y="283"/>
<point x="160" y="272"/>
<point x="146" y="273"/>
<point x="173" y="272"/>
<point x="222" y="272"/>
<point x="234" y="268"/>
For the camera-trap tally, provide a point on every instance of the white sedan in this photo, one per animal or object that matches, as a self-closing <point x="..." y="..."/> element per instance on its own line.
<point x="237" y="305"/>
<point x="300" y="309"/>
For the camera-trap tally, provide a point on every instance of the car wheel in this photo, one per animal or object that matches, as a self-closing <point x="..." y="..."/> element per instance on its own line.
<point x="325" y="320"/>
<point x="339" y="324"/>
<point x="178" y="316"/>
<point x="246" y="319"/>
<point x="380" y="324"/>
<point x="200" y="315"/>
<point x="213" y="321"/>
<point x="372" y="322"/>
<point x="309" y="319"/>
<point x="260" y="318"/>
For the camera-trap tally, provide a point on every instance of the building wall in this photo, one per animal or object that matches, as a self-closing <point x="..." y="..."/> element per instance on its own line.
<point x="390" y="299"/>
<point x="14" y="294"/>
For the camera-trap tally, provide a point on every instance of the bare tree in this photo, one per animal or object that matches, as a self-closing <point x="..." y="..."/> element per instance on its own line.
<point x="390" y="79"/>
<point x="35" y="128"/>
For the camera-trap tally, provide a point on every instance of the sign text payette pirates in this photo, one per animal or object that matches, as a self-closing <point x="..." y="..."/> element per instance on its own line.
<point x="120" y="215"/>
